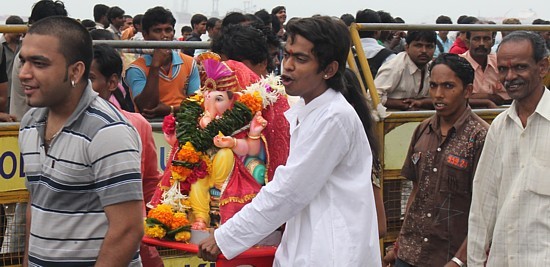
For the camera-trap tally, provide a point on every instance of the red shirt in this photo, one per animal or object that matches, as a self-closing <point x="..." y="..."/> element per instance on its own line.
<point x="458" y="47"/>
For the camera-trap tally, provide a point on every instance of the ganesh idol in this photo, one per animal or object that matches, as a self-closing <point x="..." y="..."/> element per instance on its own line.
<point x="226" y="143"/>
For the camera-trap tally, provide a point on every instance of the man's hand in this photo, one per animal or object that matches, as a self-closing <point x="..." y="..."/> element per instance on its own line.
<point x="389" y="259"/>
<point x="413" y="104"/>
<point x="4" y="117"/>
<point x="208" y="249"/>
<point x="159" y="111"/>
<point x="160" y="57"/>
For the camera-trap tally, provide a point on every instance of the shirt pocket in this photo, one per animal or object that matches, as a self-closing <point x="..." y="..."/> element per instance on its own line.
<point x="456" y="176"/>
<point x="538" y="180"/>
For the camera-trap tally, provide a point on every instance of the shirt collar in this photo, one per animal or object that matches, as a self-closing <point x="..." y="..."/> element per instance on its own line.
<point x="543" y="107"/>
<point x="491" y="60"/>
<point x="457" y="126"/>
<point x="410" y="64"/>
<point x="176" y="59"/>
<point x="300" y="110"/>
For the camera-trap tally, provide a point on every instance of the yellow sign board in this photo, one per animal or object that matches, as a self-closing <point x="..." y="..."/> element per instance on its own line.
<point x="12" y="176"/>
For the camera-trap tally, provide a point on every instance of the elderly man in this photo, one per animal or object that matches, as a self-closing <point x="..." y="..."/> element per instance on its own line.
<point x="509" y="223"/>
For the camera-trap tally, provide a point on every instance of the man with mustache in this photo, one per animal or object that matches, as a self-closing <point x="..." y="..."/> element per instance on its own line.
<point x="403" y="82"/>
<point x="511" y="189"/>
<point x="486" y="82"/>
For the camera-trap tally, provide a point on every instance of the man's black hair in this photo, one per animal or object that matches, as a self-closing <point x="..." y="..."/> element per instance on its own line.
<point x="241" y="42"/>
<point x="233" y="18"/>
<point x="426" y="36"/>
<point x="211" y="23"/>
<point x="459" y="65"/>
<point x="88" y="23"/>
<point x="276" y="9"/>
<point x="197" y="19"/>
<point x="264" y="16"/>
<point x="348" y="19"/>
<point x="538" y="44"/>
<point x="367" y="16"/>
<point x="385" y="17"/>
<point x="75" y="42"/>
<point x="16" y="20"/>
<point x="100" y="10"/>
<point x="47" y="8"/>
<point x="114" y="12"/>
<point x="331" y="42"/>
<point x="102" y="34"/>
<point x="443" y="20"/>
<point x="157" y="15"/>
<point x="137" y="19"/>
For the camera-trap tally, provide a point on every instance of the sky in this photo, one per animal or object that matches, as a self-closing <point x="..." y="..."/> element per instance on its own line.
<point x="419" y="11"/>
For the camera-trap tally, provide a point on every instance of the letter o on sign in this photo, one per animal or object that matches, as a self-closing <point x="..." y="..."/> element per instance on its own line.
<point x="3" y="158"/>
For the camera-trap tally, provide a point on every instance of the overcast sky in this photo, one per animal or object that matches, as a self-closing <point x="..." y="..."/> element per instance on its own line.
<point x="419" y="11"/>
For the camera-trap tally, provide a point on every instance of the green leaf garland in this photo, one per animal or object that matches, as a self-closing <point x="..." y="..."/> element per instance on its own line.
<point x="188" y="130"/>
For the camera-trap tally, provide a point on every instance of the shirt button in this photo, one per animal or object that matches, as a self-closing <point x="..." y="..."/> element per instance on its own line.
<point x="429" y="215"/>
<point x="438" y="149"/>
<point x="425" y="239"/>
<point x="435" y="169"/>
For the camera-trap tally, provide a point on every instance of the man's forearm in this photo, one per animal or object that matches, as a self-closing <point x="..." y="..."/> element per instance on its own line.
<point x="396" y="104"/>
<point x="149" y="97"/>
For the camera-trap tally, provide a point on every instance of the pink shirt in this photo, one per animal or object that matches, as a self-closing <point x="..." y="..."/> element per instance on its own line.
<point x="486" y="82"/>
<point x="149" y="171"/>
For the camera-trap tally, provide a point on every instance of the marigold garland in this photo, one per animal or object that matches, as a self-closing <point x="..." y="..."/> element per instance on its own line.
<point x="252" y="101"/>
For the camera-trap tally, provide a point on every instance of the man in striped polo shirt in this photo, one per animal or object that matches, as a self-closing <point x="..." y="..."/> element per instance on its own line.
<point x="82" y="158"/>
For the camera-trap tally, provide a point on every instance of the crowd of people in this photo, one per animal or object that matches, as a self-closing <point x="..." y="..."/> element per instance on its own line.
<point x="474" y="201"/>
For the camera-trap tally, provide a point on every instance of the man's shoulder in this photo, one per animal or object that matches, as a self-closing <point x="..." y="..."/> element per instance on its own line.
<point x="98" y="115"/>
<point x="478" y="126"/>
<point x="396" y="63"/>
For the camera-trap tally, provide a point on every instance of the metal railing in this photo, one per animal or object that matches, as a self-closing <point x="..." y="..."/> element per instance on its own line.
<point x="356" y="41"/>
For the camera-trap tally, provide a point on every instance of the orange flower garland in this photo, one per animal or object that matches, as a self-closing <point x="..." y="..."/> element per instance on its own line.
<point x="252" y="101"/>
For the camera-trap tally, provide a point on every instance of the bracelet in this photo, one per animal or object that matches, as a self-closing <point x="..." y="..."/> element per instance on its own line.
<point x="254" y="137"/>
<point x="458" y="261"/>
<point x="171" y="109"/>
<point x="234" y="142"/>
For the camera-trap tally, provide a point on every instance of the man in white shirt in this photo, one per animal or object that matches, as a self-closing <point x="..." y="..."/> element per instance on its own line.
<point x="403" y="82"/>
<point x="509" y="223"/>
<point x="322" y="194"/>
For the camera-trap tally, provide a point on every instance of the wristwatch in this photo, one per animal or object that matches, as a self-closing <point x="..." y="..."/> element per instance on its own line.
<point x="458" y="261"/>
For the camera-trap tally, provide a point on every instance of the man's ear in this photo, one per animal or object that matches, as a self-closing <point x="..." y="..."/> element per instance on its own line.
<point x="330" y="69"/>
<point x="468" y="90"/>
<point x="76" y="71"/>
<point x="543" y="67"/>
<point x="112" y="82"/>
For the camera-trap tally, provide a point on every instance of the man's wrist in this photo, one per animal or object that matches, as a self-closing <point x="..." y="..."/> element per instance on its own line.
<point x="458" y="262"/>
